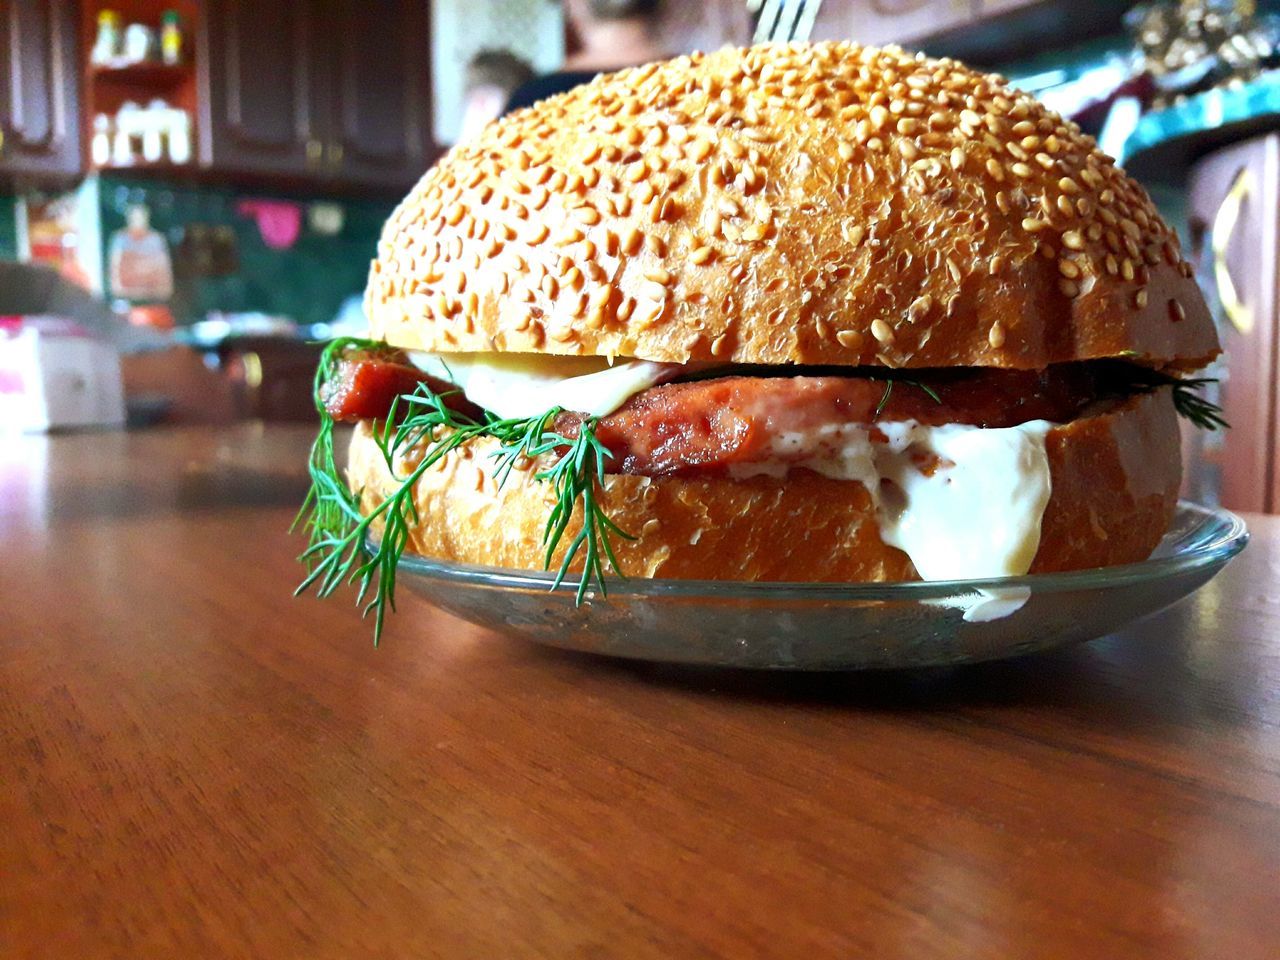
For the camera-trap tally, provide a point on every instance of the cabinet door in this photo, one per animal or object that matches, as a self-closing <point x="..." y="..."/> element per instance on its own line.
<point x="380" y="120"/>
<point x="1235" y="218"/>
<point x="258" y="88"/>
<point x="39" y="102"/>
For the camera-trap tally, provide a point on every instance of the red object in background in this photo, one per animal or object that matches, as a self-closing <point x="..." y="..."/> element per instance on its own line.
<point x="151" y="315"/>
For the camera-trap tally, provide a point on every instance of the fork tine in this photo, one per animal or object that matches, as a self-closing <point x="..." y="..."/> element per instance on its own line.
<point x="768" y="21"/>
<point x="808" y="17"/>
<point x="794" y="15"/>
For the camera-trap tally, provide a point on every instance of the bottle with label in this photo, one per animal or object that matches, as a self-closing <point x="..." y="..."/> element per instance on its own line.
<point x="170" y="38"/>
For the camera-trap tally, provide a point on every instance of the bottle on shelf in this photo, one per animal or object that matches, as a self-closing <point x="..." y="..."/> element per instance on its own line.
<point x="106" y="45"/>
<point x="100" y="146"/>
<point x="170" y="38"/>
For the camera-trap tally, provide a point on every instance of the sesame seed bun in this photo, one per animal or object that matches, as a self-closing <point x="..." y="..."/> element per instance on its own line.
<point x="818" y="204"/>
<point x="1114" y="478"/>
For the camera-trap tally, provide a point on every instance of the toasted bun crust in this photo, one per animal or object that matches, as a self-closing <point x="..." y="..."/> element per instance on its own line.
<point x="1114" y="480"/>
<point x="823" y="203"/>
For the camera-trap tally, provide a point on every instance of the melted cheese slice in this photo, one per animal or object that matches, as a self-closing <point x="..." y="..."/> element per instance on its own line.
<point x="519" y="385"/>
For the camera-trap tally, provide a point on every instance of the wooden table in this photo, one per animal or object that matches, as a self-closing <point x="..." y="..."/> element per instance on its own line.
<point x="193" y="764"/>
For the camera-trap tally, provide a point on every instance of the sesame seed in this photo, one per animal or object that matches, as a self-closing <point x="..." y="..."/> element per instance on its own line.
<point x="995" y="336"/>
<point x="845" y="151"/>
<point x="1177" y="313"/>
<point x="881" y="331"/>
<point x="994" y="168"/>
<point x="1069" y="288"/>
<point x="957" y="159"/>
<point x="1067" y="185"/>
<point x="919" y="308"/>
<point x="1021" y="170"/>
<point x="1033" y="225"/>
<point x="1069" y="268"/>
<point x="701" y="255"/>
<point x="658" y="275"/>
<point x="996" y="265"/>
<point x="850" y="338"/>
<point x="1073" y="240"/>
<point x="1140" y="299"/>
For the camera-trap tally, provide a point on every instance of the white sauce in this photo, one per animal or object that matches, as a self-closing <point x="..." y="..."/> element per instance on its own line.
<point x="519" y="385"/>
<point x="962" y="502"/>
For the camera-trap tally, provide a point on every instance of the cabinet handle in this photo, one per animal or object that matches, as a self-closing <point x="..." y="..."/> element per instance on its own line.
<point x="315" y="152"/>
<point x="335" y="154"/>
<point x="1224" y="225"/>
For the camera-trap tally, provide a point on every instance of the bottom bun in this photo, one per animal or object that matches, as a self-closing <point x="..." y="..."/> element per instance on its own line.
<point x="1114" y="480"/>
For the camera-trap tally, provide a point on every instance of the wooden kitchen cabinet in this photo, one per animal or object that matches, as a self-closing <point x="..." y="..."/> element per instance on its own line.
<point x="317" y="90"/>
<point x="257" y="98"/>
<point x="39" y="100"/>
<point x="378" y="127"/>
<point x="1235" y="223"/>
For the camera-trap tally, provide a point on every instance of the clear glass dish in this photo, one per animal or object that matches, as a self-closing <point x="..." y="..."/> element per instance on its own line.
<point x="835" y="626"/>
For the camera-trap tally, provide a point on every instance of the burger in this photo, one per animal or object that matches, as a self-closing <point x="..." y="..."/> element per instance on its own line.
<point x="803" y="312"/>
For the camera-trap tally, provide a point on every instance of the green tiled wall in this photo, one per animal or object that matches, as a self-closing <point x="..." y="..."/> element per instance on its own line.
<point x="8" y="228"/>
<point x="306" y="282"/>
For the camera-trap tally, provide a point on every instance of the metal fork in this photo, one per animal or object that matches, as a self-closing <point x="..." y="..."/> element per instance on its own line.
<point x="783" y="21"/>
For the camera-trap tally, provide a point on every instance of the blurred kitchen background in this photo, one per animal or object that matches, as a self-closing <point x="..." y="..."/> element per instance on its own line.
<point x="196" y="187"/>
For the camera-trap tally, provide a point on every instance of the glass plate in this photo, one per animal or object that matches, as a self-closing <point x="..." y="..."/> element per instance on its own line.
<point x="835" y="626"/>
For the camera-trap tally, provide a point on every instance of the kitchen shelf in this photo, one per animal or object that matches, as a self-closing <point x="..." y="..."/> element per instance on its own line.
<point x="144" y="74"/>
<point x="1165" y="142"/>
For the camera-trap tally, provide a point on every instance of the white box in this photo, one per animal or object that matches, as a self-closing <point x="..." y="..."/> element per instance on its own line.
<point x="54" y="376"/>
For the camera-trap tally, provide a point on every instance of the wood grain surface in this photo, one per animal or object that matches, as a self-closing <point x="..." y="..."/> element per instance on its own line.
<point x="194" y="764"/>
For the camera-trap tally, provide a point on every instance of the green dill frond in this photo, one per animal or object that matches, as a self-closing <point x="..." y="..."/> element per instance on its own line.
<point x="340" y="550"/>
<point x="1187" y="399"/>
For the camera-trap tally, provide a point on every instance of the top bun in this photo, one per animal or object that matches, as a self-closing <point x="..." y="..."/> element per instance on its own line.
<point x="803" y="203"/>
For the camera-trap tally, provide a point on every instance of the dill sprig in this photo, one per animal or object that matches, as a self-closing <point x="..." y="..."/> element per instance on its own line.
<point x="1189" y="403"/>
<point x="1187" y="399"/>
<point x="341" y="550"/>
<point x="888" y="392"/>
